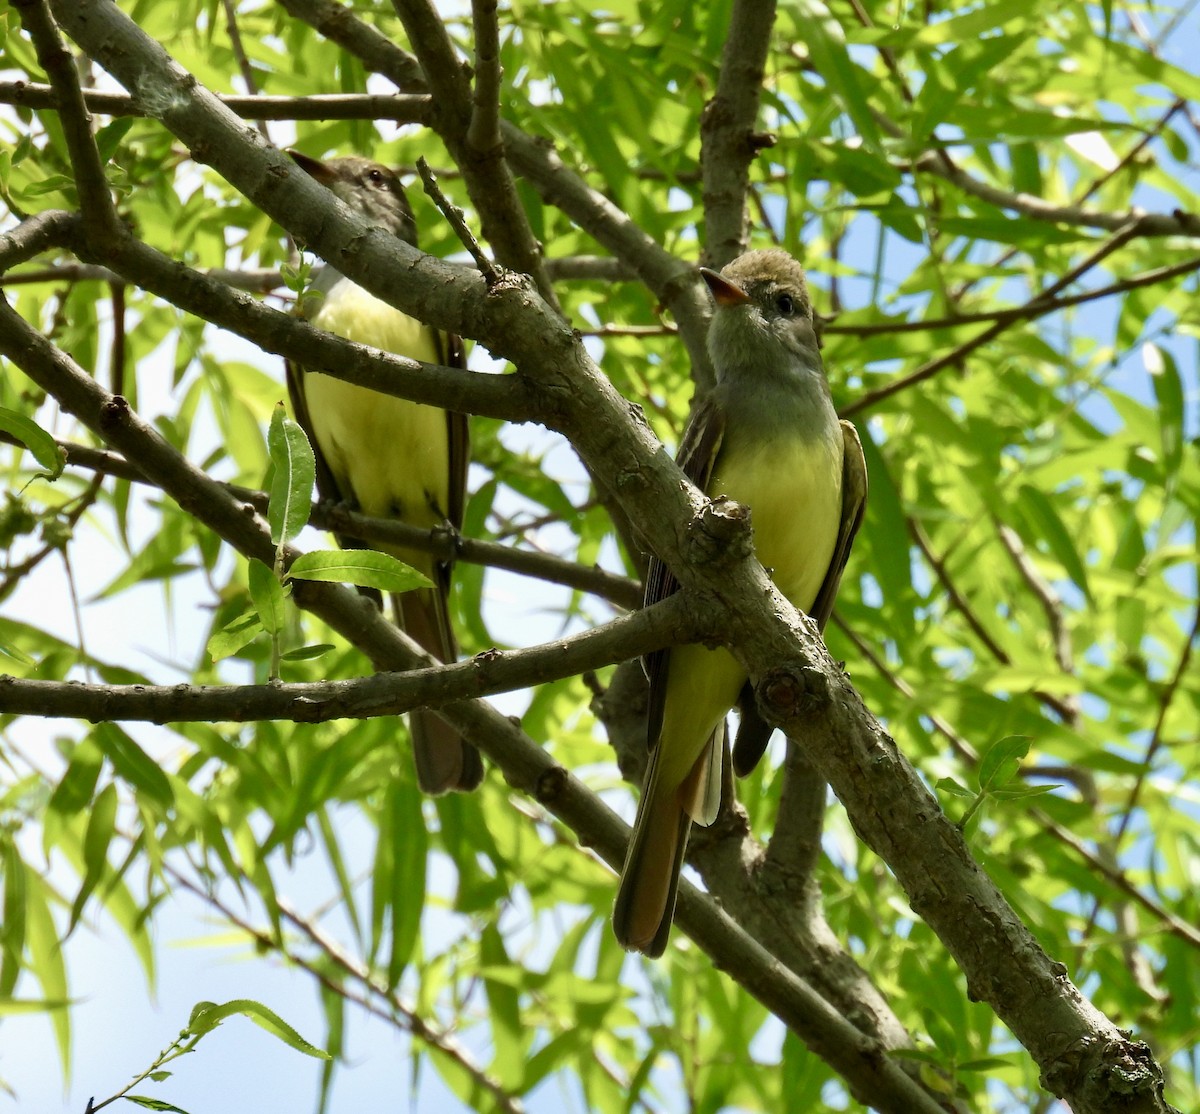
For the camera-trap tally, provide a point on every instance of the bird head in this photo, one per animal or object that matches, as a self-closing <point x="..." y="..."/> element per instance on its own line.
<point x="370" y="188"/>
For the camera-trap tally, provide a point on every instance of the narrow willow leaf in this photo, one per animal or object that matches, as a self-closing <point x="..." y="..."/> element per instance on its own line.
<point x="206" y="1016"/>
<point x="133" y="764"/>
<point x="1043" y="516"/>
<point x="267" y="595"/>
<point x="308" y="653"/>
<point x="293" y="480"/>
<point x="47" y="963"/>
<point x="44" y="448"/>
<point x="234" y="635"/>
<point x="826" y="44"/>
<point x="1001" y="761"/>
<point x="366" y="568"/>
<point x="154" y="1104"/>
<point x="949" y="785"/>
<point x="101" y="825"/>
<point x="31" y="1005"/>
<point x="12" y="926"/>
<point x="1168" y="390"/>
<point x="74" y="790"/>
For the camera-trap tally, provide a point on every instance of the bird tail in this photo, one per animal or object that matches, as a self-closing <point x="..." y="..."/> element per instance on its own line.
<point x="444" y="759"/>
<point x="649" y="885"/>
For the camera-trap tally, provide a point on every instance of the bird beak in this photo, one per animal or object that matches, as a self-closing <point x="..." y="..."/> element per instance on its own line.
<point x="314" y="168"/>
<point x="725" y="292"/>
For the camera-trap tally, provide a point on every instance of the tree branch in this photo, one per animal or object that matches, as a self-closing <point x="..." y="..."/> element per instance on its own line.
<point x="95" y="198"/>
<point x="382" y="694"/>
<point x="728" y="142"/>
<point x="394" y="1010"/>
<point x="485" y="170"/>
<point x="1125" y="233"/>
<point x="404" y="108"/>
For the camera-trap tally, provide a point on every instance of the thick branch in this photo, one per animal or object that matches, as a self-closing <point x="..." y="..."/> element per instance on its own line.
<point x="727" y="137"/>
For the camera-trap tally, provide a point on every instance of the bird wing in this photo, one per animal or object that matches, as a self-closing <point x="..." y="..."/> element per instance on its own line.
<point x="754" y="731"/>
<point x="854" y="502"/>
<point x="453" y="353"/>
<point x="697" y="455"/>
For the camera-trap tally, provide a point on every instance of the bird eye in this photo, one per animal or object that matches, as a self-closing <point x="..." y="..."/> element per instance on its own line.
<point x="785" y="305"/>
<point x="375" y="176"/>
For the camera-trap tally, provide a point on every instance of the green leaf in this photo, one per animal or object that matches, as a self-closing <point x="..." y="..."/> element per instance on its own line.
<point x="267" y="595"/>
<point x="154" y="1104"/>
<point x="101" y="826"/>
<point x="949" y="785"/>
<point x="12" y="924"/>
<point x="1020" y="792"/>
<point x="206" y="1016"/>
<point x="1046" y="519"/>
<point x="295" y="473"/>
<point x="44" y="448"/>
<point x="826" y="44"/>
<point x="109" y="137"/>
<point x="235" y="635"/>
<point x="1002" y="761"/>
<point x="74" y="790"/>
<point x="133" y="764"/>
<point x="308" y="653"/>
<point x="1168" y="390"/>
<point x="366" y="568"/>
<point x="31" y="1005"/>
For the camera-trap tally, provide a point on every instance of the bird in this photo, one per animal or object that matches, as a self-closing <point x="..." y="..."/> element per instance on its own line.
<point x="385" y="456"/>
<point x="767" y="436"/>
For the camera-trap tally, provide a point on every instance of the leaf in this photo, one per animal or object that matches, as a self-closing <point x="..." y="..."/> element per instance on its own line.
<point x="365" y="568"/>
<point x="109" y="137"/>
<point x="826" y="44"/>
<point x="45" y="449"/>
<point x="1002" y="761"/>
<point x="308" y="653"/>
<point x="949" y="785"/>
<point x="1168" y="390"/>
<point x="206" y="1016"/>
<point x="234" y="635"/>
<point x="295" y="473"/>
<point x="75" y="788"/>
<point x="154" y="1104"/>
<point x="1043" y="516"/>
<point x="101" y="826"/>
<point x="267" y="595"/>
<point x="133" y="764"/>
<point x="12" y="922"/>
<point x="1020" y="792"/>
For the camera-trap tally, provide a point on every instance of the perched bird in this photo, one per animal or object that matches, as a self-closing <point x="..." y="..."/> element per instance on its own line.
<point x="767" y="436"/>
<point x="386" y="456"/>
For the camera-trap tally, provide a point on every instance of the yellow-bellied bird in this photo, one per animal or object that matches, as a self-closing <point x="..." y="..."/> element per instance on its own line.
<point x="768" y="437"/>
<point x="386" y="456"/>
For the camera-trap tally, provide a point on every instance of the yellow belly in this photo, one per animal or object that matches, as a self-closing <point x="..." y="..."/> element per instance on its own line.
<point x="389" y="455"/>
<point x="794" y="492"/>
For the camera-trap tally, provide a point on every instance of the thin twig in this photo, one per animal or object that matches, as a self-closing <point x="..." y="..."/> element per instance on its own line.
<point x="454" y="217"/>
<point x="1126" y="232"/>
<point x="243" y="63"/>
